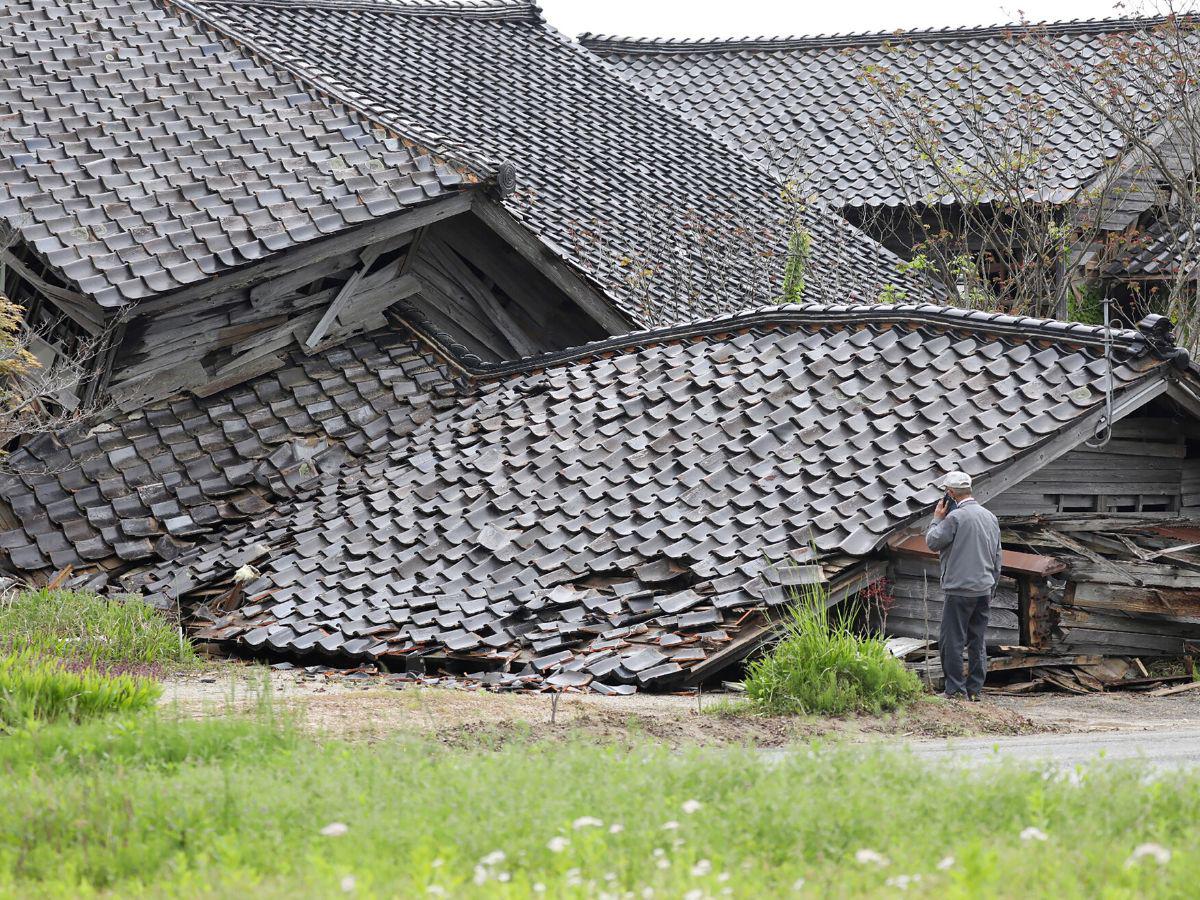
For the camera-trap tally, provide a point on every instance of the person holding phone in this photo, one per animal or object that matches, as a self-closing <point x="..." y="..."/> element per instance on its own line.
<point x="967" y="539"/>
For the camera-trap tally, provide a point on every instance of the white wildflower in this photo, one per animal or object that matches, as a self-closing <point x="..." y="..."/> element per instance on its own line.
<point x="503" y="876"/>
<point x="586" y="822"/>
<point x="658" y="851"/>
<point x="493" y="859"/>
<point x="670" y="826"/>
<point x="558" y="844"/>
<point x="348" y="884"/>
<point x="901" y="882"/>
<point x="436" y="890"/>
<point x="539" y="888"/>
<point x="1157" y="852"/>
<point x="946" y="862"/>
<point x="697" y="894"/>
<point x="870" y="858"/>
<point x="724" y="876"/>
<point x="616" y="828"/>
<point x="702" y="868"/>
<point x="726" y="892"/>
<point x="798" y="885"/>
<point x="438" y="863"/>
<point x="335" y="829"/>
<point x="574" y="878"/>
<point x="663" y="863"/>
<point x="481" y="875"/>
<point x="691" y="806"/>
<point x="647" y="893"/>
<point x="1033" y="834"/>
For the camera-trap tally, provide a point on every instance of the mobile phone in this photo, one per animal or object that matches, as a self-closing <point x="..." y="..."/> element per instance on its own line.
<point x="951" y="503"/>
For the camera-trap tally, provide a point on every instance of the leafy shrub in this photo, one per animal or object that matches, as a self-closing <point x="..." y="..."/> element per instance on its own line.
<point x="100" y="631"/>
<point x="820" y="665"/>
<point x="35" y="688"/>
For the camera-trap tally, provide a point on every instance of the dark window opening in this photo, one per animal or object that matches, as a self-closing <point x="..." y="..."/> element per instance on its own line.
<point x="1112" y="503"/>
<point x="383" y="260"/>
<point x="1073" y="502"/>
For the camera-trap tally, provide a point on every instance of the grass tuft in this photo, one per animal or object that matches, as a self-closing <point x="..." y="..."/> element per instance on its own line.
<point x="121" y="634"/>
<point x="821" y="666"/>
<point x="36" y="689"/>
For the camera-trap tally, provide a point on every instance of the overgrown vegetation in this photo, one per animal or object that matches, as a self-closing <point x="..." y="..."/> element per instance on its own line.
<point x="156" y="806"/>
<point x="35" y="689"/>
<point x="822" y="665"/>
<point x="85" y="627"/>
<point x="73" y="656"/>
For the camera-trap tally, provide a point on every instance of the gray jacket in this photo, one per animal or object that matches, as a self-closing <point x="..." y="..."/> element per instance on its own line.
<point x="968" y="544"/>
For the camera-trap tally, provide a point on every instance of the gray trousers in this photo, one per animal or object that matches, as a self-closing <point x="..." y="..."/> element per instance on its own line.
<point x="964" y="621"/>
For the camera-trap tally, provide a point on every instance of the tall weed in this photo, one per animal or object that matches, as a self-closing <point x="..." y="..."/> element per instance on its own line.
<point x="820" y="665"/>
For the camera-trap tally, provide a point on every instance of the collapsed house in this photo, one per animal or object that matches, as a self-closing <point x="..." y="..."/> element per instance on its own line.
<point x="634" y="512"/>
<point x="205" y="200"/>
<point x="822" y="110"/>
<point x="375" y="390"/>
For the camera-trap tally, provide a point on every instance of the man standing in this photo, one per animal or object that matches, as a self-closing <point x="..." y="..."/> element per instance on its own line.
<point x="967" y="538"/>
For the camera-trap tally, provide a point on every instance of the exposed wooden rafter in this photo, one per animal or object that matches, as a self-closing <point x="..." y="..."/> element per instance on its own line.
<point x="590" y="300"/>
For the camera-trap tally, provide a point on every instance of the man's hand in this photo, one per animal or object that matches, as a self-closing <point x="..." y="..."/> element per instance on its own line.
<point x="940" y="510"/>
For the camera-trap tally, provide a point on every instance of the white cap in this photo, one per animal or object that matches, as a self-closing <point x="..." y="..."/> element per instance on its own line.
<point x="960" y="481"/>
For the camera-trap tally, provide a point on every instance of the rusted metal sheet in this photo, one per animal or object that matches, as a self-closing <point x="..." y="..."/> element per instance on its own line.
<point x="1011" y="562"/>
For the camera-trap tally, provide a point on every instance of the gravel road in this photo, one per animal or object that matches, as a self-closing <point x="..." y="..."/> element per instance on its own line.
<point x="1162" y="747"/>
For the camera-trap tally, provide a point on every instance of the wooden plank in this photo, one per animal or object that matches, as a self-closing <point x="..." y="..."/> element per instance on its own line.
<point x="1175" y="689"/>
<point x="265" y="292"/>
<point x="453" y="266"/>
<point x="314" y="251"/>
<point x="590" y="300"/>
<point x="343" y="297"/>
<point x="1138" y="449"/>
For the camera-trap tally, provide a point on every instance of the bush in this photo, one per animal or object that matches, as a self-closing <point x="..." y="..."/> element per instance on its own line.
<point x="35" y="688"/>
<point x="84" y="626"/>
<point x="820" y="665"/>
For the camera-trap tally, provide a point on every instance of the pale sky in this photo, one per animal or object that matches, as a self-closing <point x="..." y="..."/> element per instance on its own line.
<point x="738" y="18"/>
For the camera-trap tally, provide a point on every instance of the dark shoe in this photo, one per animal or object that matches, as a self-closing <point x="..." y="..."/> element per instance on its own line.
<point x="955" y="696"/>
<point x="974" y="698"/>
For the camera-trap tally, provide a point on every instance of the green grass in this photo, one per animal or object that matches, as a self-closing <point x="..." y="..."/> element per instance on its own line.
<point x="35" y="688"/>
<point x="820" y="665"/>
<point x="80" y="625"/>
<point x="236" y="807"/>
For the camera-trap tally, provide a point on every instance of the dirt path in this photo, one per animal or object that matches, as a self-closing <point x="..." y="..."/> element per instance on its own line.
<point x="369" y="707"/>
<point x="372" y="707"/>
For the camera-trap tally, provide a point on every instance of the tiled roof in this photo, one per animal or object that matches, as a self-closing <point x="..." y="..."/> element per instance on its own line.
<point x="143" y="486"/>
<point x="140" y="152"/>
<point x="619" y="509"/>
<point x="660" y="214"/>
<point x="800" y="105"/>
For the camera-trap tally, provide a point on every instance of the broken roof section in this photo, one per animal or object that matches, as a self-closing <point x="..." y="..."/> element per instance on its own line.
<point x="629" y="507"/>
<point x="666" y="219"/>
<point x="141" y="152"/>
<point x="802" y="106"/>
<point x="145" y="486"/>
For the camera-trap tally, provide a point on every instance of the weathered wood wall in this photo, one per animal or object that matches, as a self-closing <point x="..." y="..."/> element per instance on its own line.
<point x="1127" y="608"/>
<point x="1143" y="467"/>
<point x="917" y="608"/>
